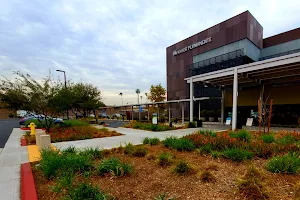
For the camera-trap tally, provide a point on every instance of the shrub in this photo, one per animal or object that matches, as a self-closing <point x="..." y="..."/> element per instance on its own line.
<point x="70" y="149"/>
<point x="192" y="125"/>
<point x="115" y="167"/>
<point x="38" y="124"/>
<point x="216" y="154"/>
<point x="251" y="186"/>
<point x="182" y="168"/>
<point x="129" y="148"/>
<point x="268" y="138"/>
<point x="165" y="159"/>
<point x="94" y="153"/>
<point x="87" y="191"/>
<point x="238" y="155"/>
<point x="151" y="141"/>
<point x="207" y="176"/>
<point x="149" y="127"/>
<point x="54" y="162"/>
<point x="288" y="139"/>
<point x="205" y="149"/>
<point x="289" y="163"/>
<point x="73" y="122"/>
<point x="180" y="144"/>
<point x="243" y="135"/>
<point x="139" y="152"/>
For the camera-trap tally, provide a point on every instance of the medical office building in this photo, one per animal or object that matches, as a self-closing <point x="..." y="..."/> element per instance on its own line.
<point x="231" y="65"/>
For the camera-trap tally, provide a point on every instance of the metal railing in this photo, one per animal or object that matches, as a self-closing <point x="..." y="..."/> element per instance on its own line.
<point x="223" y="61"/>
<point x="280" y="54"/>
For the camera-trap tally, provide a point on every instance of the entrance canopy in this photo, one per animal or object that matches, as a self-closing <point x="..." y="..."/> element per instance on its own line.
<point x="284" y="69"/>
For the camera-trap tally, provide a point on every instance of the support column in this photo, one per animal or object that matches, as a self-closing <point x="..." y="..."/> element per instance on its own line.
<point x="234" y="102"/>
<point x="157" y="113"/>
<point x="222" y="106"/>
<point x="191" y="100"/>
<point x="182" y="113"/>
<point x="132" y="112"/>
<point x="199" y="110"/>
<point x="169" y="113"/>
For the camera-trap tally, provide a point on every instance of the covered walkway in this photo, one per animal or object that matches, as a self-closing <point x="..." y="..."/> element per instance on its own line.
<point x="280" y="70"/>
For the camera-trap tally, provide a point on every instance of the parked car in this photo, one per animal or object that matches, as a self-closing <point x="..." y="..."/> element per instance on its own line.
<point x="41" y="117"/>
<point x="103" y="115"/>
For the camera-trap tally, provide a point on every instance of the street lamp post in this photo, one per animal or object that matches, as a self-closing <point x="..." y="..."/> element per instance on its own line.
<point x="65" y="87"/>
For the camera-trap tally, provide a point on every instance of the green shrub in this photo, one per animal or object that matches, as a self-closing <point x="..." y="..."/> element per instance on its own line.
<point x="165" y="159"/>
<point x="216" y="154"/>
<point x="151" y="141"/>
<point x="238" y="155"/>
<point x="53" y="163"/>
<point x="208" y="133"/>
<point x="205" y="149"/>
<point x="139" y="152"/>
<point x="288" y="139"/>
<point x="180" y="144"/>
<point x="129" y="148"/>
<point x="87" y="191"/>
<point x="74" y="122"/>
<point x="146" y="140"/>
<point x="151" y="127"/>
<point x="70" y="149"/>
<point x="268" y="138"/>
<point x="115" y="167"/>
<point x="243" y="135"/>
<point x="192" y="125"/>
<point x="289" y="163"/>
<point x="182" y="168"/>
<point x="38" y="124"/>
<point x="94" y="153"/>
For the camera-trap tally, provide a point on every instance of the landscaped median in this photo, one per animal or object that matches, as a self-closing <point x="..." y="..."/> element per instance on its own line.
<point x="203" y="165"/>
<point x="74" y="130"/>
<point x="157" y="127"/>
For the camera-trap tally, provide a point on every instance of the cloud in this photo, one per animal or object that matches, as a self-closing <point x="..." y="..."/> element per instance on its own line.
<point x="117" y="45"/>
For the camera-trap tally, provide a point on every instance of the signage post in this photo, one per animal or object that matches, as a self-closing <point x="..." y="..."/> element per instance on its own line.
<point x="154" y="118"/>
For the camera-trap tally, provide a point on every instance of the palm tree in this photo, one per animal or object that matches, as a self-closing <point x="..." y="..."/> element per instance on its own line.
<point x="121" y="94"/>
<point x="137" y="91"/>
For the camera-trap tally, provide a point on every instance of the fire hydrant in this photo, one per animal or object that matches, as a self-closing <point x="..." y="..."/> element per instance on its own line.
<point x="32" y="128"/>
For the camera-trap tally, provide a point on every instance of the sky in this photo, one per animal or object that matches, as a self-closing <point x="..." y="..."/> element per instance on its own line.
<point x="117" y="45"/>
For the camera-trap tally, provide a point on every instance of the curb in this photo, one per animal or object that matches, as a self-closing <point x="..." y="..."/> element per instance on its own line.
<point x="28" y="191"/>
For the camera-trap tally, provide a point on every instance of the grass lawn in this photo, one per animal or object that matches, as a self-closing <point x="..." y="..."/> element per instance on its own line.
<point x="174" y="168"/>
<point x="60" y="134"/>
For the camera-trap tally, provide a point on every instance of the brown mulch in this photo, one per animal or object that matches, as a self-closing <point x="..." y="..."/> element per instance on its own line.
<point x="149" y="179"/>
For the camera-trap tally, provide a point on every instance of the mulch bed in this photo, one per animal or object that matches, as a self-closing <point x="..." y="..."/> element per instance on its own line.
<point x="149" y="179"/>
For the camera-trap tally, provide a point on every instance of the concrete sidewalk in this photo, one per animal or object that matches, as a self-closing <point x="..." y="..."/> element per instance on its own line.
<point x="11" y="158"/>
<point x="133" y="136"/>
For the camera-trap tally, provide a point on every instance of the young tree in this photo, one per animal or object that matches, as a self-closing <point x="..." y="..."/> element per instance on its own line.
<point x="26" y="93"/>
<point x="157" y="94"/>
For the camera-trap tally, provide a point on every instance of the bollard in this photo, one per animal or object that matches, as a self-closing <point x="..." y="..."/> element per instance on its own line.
<point x="45" y="142"/>
<point x="38" y="134"/>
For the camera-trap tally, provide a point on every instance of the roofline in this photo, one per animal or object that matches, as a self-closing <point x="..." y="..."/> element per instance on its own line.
<point x="212" y="27"/>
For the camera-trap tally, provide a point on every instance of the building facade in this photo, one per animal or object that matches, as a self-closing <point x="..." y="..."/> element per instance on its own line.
<point x="234" y="42"/>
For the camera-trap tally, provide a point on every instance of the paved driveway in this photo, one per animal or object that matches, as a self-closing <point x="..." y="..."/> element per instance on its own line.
<point x="6" y="126"/>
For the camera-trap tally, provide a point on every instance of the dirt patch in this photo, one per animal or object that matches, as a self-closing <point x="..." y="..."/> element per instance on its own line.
<point x="149" y="179"/>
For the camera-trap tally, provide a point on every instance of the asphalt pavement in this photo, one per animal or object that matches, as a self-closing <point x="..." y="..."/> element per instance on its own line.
<point x="6" y="126"/>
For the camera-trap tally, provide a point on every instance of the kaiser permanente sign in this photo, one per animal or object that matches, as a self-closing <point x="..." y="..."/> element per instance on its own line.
<point x="192" y="46"/>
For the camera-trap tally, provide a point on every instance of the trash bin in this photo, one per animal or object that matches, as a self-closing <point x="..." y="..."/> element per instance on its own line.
<point x="199" y="123"/>
<point x="170" y="124"/>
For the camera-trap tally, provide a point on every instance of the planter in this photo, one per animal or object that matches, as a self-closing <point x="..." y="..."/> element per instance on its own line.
<point x="203" y="119"/>
<point x="219" y="119"/>
<point x="211" y="119"/>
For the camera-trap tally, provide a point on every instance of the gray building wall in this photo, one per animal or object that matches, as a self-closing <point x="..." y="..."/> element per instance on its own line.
<point x="280" y="48"/>
<point x="250" y="50"/>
